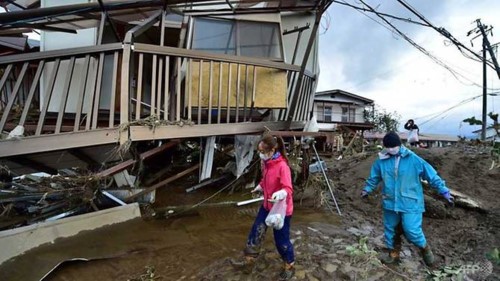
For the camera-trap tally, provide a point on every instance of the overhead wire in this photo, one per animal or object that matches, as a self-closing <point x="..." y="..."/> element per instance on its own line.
<point x="388" y="25"/>
<point x="444" y="32"/>
<point x="408" y="20"/>
<point x="436" y="115"/>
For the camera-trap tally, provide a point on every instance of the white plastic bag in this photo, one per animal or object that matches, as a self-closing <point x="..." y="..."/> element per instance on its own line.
<point x="276" y="217"/>
<point x="413" y="136"/>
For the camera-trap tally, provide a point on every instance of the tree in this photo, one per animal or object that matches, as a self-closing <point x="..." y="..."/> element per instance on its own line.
<point x="382" y="120"/>
<point x="493" y="116"/>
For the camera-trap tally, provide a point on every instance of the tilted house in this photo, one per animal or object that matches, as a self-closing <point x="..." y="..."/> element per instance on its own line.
<point x="116" y="71"/>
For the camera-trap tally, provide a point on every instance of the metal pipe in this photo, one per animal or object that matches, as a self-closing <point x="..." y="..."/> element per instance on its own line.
<point x="326" y="179"/>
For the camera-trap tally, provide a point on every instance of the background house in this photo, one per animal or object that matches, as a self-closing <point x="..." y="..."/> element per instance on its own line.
<point x="427" y="140"/>
<point x="491" y="135"/>
<point x="336" y="108"/>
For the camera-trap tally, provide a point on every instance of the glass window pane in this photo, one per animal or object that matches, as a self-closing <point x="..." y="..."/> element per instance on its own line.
<point x="215" y="36"/>
<point x="259" y="39"/>
<point x="328" y="114"/>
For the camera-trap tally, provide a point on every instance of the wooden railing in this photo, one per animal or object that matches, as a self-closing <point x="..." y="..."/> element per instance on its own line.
<point x="82" y="89"/>
<point x="57" y="91"/>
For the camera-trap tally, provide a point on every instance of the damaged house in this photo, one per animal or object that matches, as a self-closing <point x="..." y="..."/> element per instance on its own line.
<point x="114" y="74"/>
<point x="190" y="69"/>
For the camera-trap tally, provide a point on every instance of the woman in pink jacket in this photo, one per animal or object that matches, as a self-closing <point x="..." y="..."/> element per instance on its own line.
<point x="276" y="184"/>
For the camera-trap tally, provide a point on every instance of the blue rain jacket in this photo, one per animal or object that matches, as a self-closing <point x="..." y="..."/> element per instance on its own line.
<point x="402" y="188"/>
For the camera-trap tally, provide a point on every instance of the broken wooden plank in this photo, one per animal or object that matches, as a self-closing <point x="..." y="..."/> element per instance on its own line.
<point x="466" y="202"/>
<point x="145" y="155"/>
<point x="159" y="149"/>
<point x="164" y="182"/>
<point x="205" y="183"/>
<point x="116" y="169"/>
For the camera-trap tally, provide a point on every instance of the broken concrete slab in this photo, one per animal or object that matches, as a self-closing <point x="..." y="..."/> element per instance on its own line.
<point x="17" y="241"/>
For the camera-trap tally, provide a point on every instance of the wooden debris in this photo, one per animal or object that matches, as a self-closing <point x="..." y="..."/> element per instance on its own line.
<point x="466" y="202"/>
<point x="207" y="182"/>
<point x="145" y="155"/>
<point x="163" y="182"/>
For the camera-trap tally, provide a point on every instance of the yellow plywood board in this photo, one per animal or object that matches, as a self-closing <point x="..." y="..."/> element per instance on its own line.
<point x="270" y="86"/>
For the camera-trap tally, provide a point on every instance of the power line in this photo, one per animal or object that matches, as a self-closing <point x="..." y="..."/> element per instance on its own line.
<point x="444" y="32"/>
<point x="408" y="20"/>
<point x="436" y="115"/>
<point x="420" y="48"/>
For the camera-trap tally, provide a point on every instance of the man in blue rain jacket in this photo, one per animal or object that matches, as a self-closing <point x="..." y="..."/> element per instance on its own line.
<point x="401" y="171"/>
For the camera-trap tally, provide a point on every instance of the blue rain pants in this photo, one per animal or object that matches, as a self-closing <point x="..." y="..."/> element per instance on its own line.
<point x="281" y="237"/>
<point x="397" y="223"/>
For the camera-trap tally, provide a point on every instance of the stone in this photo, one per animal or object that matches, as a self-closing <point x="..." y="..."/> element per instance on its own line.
<point x="312" y="278"/>
<point x="377" y="276"/>
<point x="406" y="253"/>
<point x="337" y="240"/>
<point x="329" y="267"/>
<point x="336" y="261"/>
<point x="300" y="274"/>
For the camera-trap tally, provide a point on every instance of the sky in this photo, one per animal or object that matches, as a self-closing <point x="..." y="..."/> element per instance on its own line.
<point x="361" y="56"/>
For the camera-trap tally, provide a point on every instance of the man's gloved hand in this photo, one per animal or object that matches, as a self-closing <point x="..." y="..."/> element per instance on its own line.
<point x="258" y="188"/>
<point x="364" y="194"/>
<point x="279" y="195"/>
<point x="449" y="198"/>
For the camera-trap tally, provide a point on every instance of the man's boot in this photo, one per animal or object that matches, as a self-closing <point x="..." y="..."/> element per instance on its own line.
<point x="392" y="257"/>
<point x="427" y="255"/>
<point x="287" y="272"/>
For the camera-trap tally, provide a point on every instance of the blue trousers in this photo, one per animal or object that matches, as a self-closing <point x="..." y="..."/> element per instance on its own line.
<point x="281" y="237"/>
<point x="397" y="223"/>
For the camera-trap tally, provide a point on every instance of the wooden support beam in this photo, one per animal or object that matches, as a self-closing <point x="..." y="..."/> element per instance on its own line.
<point x="144" y="156"/>
<point x="116" y="169"/>
<point x="159" y="149"/>
<point x="163" y="183"/>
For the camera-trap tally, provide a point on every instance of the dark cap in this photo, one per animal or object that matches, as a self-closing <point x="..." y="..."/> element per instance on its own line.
<point x="391" y="139"/>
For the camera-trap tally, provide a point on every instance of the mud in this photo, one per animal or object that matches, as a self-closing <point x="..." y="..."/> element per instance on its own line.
<point x="198" y="244"/>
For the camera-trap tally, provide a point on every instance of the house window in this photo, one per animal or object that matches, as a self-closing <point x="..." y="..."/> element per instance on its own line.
<point x="328" y="114"/>
<point x="245" y="38"/>
<point x="324" y="113"/>
<point x="348" y="114"/>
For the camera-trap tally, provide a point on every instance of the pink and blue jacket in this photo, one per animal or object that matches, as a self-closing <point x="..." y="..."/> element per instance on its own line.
<point x="276" y="175"/>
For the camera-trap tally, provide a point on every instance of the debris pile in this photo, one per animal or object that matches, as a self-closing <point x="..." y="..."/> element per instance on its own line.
<point x="31" y="199"/>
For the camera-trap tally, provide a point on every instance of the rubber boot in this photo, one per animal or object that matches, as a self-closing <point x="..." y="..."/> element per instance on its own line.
<point x="427" y="255"/>
<point x="287" y="272"/>
<point x="392" y="257"/>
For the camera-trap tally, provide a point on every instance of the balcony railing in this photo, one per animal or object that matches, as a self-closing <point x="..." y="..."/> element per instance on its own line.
<point x="84" y="89"/>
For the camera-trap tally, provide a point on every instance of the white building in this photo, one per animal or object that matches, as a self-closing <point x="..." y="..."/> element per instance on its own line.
<point x="335" y="108"/>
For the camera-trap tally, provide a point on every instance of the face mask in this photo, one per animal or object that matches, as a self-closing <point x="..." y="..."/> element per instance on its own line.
<point x="263" y="156"/>
<point x="392" y="150"/>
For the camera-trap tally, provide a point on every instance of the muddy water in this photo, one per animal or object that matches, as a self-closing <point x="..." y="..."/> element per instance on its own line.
<point x="177" y="247"/>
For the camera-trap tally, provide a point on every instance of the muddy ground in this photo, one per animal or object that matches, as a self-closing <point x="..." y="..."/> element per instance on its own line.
<point x="198" y="244"/>
<point x="460" y="238"/>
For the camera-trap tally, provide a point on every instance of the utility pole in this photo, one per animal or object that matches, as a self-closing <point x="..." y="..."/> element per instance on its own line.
<point x="483" y="31"/>
<point x="485" y="100"/>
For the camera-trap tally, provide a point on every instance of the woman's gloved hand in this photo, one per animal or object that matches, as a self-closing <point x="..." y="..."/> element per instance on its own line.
<point x="279" y="195"/>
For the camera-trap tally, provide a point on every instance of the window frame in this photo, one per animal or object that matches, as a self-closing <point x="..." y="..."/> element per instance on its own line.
<point x="237" y="35"/>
